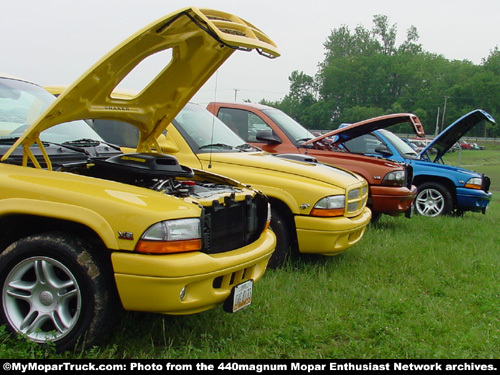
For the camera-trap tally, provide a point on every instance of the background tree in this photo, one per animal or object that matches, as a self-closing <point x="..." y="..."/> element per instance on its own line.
<point x="366" y="74"/>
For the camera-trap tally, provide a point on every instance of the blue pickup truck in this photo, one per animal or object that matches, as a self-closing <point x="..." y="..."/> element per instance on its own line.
<point x="442" y="189"/>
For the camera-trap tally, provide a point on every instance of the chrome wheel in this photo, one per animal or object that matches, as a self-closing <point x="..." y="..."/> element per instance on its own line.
<point x="57" y="288"/>
<point x="41" y="299"/>
<point x="432" y="200"/>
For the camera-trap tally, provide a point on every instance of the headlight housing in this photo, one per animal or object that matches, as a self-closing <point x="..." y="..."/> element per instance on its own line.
<point x="394" y="178"/>
<point x="474" y="183"/>
<point x="171" y="236"/>
<point x="333" y="205"/>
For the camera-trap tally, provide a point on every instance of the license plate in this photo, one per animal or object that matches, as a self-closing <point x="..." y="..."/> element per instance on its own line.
<point x="241" y="296"/>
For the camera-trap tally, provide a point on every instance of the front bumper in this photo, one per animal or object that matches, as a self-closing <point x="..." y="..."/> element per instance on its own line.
<point x="473" y="200"/>
<point x="154" y="283"/>
<point x="330" y="236"/>
<point x="392" y="200"/>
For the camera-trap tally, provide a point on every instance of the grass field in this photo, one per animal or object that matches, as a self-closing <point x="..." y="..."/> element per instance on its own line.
<point x="412" y="288"/>
<point x="484" y="161"/>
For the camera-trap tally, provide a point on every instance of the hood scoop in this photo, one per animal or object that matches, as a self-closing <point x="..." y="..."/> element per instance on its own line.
<point x="135" y="165"/>
<point x="298" y="157"/>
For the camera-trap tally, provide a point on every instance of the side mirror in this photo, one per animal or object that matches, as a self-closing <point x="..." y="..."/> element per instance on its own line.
<point x="167" y="144"/>
<point x="383" y="150"/>
<point x="267" y="136"/>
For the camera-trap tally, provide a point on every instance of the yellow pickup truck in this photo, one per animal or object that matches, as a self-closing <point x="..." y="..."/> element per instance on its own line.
<point x="86" y="228"/>
<point x="316" y="208"/>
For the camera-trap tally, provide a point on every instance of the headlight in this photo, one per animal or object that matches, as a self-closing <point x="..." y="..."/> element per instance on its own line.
<point x="394" y="178"/>
<point x="333" y="205"/>
<point x="171" y="236"/>
<point x="474" y="183"/>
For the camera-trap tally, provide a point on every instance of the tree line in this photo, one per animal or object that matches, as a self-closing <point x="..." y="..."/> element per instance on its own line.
<point x="365" y="74"/>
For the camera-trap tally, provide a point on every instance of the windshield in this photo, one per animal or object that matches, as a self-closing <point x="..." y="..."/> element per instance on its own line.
<point x="21" y="103"/>
<point x="205" y="132"/>
<point x="401" y="146"/>
<point x="292" y="128"/>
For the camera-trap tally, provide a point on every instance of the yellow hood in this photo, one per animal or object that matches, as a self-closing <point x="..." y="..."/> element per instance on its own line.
<point x="199" y="41"/>
<point x="289" y="169"/>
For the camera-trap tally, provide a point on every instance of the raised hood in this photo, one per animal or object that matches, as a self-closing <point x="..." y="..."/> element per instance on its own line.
<point x="200" y="40"/>
<point x="451" y="135"/>
<point x="360" y="128"/>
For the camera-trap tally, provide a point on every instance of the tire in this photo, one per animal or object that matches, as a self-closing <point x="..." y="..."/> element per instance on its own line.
<point x="433" y="199"/>
<point x="55" y="290"/>
<point x="375" y="217"/>
<point x="280" y="228"/>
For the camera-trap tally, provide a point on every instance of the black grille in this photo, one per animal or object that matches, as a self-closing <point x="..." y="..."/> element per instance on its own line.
<point x="409" y="176"/>
<point x="486" y="183"/>
<point x="233" y="224"/>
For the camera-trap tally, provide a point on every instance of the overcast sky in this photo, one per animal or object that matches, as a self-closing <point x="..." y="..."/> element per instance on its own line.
<point x="55" y="41"/>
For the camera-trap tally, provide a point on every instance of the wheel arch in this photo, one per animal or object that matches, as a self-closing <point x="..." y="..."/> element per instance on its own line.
<point x="17" y="226"/>
<point x="53" y="215"/>
<point x="446" y="182"/>
<point x="287" y="214"/>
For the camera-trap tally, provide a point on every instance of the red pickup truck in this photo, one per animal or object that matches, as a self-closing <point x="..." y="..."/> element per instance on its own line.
<point x="391" y="189"/>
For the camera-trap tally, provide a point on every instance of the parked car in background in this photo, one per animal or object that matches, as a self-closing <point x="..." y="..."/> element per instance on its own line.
<point x="455" y="147"/>
<point x="442" y="189"/>
<point x="464" y="145"/>
<point x="475" y="146"/>
<point x="391" y="189"/>
<point x="86" y="229"/>
<point x="419" y="144"/>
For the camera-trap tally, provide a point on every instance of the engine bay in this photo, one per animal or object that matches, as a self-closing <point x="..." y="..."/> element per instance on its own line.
<point x="159" y="172"/>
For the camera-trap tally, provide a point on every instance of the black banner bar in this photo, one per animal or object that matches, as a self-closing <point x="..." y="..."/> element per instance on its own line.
<point x="257" y="366"/>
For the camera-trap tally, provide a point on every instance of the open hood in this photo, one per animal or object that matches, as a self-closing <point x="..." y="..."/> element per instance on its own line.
<point x="448" y="137"/>
<point x="198" y="40"/>
<point x="360" y="128"/>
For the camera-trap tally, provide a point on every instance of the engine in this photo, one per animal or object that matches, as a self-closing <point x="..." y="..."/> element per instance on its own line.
<point x="158" y="172"/>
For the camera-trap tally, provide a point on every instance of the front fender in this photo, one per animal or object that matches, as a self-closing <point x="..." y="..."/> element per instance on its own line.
<point x="61" y="211"/>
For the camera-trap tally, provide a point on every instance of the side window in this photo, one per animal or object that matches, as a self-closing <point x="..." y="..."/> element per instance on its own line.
<point x="236" y="120"/>
<point x="364" y="144"/>
<point x="255" y="125"/>
<point x="372" y="142"/>
<point x="117" y="132"/>
<point x="242" y="122"/>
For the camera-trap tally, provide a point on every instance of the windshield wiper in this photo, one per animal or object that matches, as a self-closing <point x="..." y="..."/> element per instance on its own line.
<point x="81" y="144"/>
<point x="303" y="139"/>
<point x="8" y="140"/>
<point x="84" y="142"/>
<point x="221" y="145"/>
<point x="247" y="146"/>
<point x="68" y="145"/>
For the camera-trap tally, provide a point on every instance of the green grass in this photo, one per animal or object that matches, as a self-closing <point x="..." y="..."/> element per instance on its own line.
<point x="482" y="161"/>
<point x="411" y="288"/>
